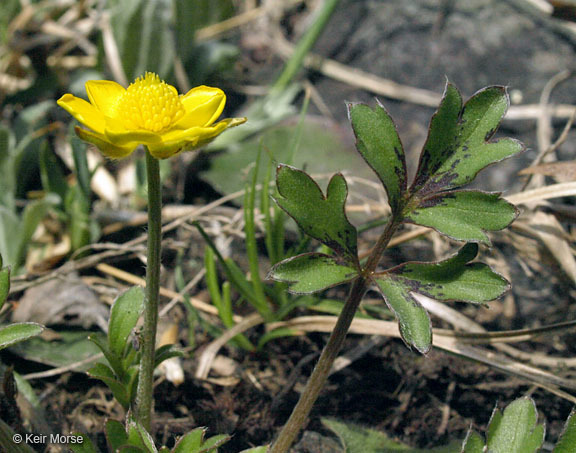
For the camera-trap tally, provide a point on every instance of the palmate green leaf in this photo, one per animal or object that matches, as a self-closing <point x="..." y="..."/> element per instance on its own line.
<point x="567" y="441"/>
<point x="450" y="279"/>
<point x="516" y="430"/>
<point x="458" y="144"/>
<point x="464" y="215"/>
<point x="311" y="272"/>
<point x="378" y="142"/>
<point x="319" y="216"/>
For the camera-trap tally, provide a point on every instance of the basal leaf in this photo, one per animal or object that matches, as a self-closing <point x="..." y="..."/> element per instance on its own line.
<point x="190" y="442"/>
<point x="84" y="444"/>
<point x="319" y="216"/>
<point x="168" y="351"/>
<point x="4" y="284"/>
<point x="458" y="144"/>
<point x="452" y="279"/>
<point x="146" y="438"/>
<point x="123" y="317"/>
<point x="10" y="233"/>
<point x="516" y="430"/>
<point x="311" y="272"/>
<point x="359" y="439"/>
<point x="106" y="375"/>
<point x="567" y="441"/>
<point x="378" y="142"/>
<point x="211" y="444"/>
<point x="115" y="434"/>
<point x="262" y="449"/>
<point x="413" y="319"/>
<point x="464" y="215"/>
<point x="474" y="443"/>
<point x="14" y="333"/>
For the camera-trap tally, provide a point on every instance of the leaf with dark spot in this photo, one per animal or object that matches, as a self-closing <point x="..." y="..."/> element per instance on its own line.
<point x="378" y="142"/>
<point x="311" y="272"/>
<point x="413" y="319"/>
<point x="458" y="145"/>
<point x="464" y="215"/>
<point x="452" y="279"/>
<point x="321" y="217"/>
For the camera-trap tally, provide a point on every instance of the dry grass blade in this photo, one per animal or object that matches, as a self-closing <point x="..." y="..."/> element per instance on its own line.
<point x="63" y="369"/>
<point x="465" y="324"/>
<point x="393" y="90"/>
<point x="449" y="344"/>
<point x="510" y="336"/>
<point x="566" y="189"/>
<point x="548" y="230"/>
<point x="561" y="171"/>
<point x="207" y="357"/>
<point x="135" y="280"/>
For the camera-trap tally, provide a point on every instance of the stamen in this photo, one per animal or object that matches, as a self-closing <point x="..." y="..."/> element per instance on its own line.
<point x="151" y="104"/>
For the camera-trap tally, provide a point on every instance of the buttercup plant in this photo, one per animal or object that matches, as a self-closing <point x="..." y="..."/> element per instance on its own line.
<point x="458" y="146"/>
<point x="149" y="112"/>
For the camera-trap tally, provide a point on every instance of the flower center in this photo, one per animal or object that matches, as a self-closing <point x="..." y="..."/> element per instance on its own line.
<point x="150" y="103"/>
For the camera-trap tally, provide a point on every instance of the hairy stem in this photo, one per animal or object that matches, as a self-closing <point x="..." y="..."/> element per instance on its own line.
<point x="145" y="390"/>
<point x="322" y="369"/>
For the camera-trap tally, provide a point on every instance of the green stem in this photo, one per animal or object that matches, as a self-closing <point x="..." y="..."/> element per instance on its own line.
<point x="322" y="370"/>
<point x="145" y="390"/>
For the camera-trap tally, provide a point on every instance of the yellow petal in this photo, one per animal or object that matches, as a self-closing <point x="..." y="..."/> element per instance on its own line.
<point x="84" y="112"/>
<point x="203" y="106"/>
<point x="117" y="134"/>
<point x="176" y="142"/>
<point x="104" y="94"/>
<point x="108" y="149"/>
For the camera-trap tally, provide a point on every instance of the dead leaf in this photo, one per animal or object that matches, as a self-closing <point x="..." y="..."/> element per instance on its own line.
<point x="62" y="301"/>
<point x="549" y="230"/>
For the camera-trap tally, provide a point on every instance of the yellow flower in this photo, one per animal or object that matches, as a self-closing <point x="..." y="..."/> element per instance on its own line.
<point x="149" y="112"/>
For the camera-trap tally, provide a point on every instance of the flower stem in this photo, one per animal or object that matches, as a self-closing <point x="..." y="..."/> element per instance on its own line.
<point x="322" y="369"/>
<point x="145" y="390"/>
